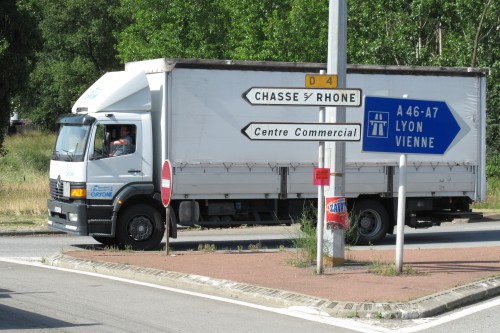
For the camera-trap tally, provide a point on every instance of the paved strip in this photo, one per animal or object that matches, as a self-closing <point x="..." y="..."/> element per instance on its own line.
<point x="424" y="307"/>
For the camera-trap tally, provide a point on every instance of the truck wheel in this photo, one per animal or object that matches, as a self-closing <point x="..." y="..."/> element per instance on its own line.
<point x="141" y="227"/>
<point x="372" y="221"/>
<point x="108" y="241"/>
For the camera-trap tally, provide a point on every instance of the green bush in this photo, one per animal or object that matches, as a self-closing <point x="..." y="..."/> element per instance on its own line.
<point x="493" y="166"/>
<point x="307" y="240"/>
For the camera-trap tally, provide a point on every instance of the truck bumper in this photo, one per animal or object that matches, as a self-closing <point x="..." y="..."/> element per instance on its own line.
<point x="67" y="217"/>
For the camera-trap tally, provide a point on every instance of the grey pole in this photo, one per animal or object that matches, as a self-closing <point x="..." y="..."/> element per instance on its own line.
<point x="337" y="63"/>
<point x="321" y="199"/>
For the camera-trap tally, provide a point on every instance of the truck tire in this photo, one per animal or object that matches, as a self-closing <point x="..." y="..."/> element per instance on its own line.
<point x="372" y="221"/>
<point x="140" y="227"/>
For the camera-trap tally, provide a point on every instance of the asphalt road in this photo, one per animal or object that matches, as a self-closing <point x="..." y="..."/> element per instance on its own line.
<point x="449" y="235"/>
<point x="35" y="298"/>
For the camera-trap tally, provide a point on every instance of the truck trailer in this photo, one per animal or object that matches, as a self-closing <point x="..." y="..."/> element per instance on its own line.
<point x="192" y="113"/>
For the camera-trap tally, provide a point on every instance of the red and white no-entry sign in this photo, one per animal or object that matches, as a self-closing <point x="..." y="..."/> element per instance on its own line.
<point x="166" y="183"/>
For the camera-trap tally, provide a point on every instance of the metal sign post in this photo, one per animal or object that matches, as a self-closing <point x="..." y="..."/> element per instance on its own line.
<point x="334" y="237"/>
<point x="321" y="195"/>
<point x="401" y="213"/>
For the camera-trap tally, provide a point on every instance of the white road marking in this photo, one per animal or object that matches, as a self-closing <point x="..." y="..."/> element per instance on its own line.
<point x="295" y="312"/>
<point x="452" y="316"/>
<point x="305" y="313"/>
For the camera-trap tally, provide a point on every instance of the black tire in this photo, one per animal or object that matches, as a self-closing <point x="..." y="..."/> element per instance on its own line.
<point x="372" y="221"/>
<point x="140" y="227"/>
<point x="108" y="241"/>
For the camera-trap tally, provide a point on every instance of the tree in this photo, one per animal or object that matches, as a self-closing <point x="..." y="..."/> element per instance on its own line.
<point x="83" y="39"/>
<point x="225" y="29"/>
<point x="172" y="28"/>
<point x="18" y="40"/>
<point x="78" y="47"/>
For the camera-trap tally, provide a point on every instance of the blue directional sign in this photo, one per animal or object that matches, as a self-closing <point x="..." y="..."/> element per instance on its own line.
<point x="412" y="126"/>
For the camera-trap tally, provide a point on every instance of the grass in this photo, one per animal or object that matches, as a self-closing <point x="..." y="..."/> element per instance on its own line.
<point x="493" y="195"/>
<point x="493" y="183"/>
<point x="207" y="247"/>
<point x="389" y="269"/>
<point x="307" y="240"/>
<point x="24" y="176"/>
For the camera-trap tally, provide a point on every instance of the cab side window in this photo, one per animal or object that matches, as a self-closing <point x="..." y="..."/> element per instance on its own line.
<point x="100" y="146"/>
<point x="114" y="140"/>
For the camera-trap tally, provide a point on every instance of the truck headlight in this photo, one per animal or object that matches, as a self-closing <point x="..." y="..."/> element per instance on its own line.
<point x="73" y="217"/>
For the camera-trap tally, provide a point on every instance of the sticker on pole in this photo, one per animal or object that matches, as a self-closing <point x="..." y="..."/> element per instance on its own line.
<point x="321" y="177"/>
<point x="336" y="212"/>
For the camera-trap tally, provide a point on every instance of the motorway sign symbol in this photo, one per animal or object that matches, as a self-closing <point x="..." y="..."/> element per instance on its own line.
<point x="400" y="125"/>
<point x="303" y="96"/>
<point x="302" y="131"/>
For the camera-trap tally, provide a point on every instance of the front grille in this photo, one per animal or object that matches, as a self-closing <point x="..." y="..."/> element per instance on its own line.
<point x="57" y="192"/>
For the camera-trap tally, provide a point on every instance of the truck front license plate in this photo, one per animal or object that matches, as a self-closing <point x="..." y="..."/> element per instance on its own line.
<point x="58" y="209"/>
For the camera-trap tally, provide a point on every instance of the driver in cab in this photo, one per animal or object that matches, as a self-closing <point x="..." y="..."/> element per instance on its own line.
<point x="124" y="145"/>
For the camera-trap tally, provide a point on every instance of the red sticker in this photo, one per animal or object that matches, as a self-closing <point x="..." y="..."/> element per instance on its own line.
<point x="321" y="176"/>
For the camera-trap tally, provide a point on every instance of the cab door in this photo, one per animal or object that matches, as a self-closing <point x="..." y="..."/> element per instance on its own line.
<point x="108" y="174"/>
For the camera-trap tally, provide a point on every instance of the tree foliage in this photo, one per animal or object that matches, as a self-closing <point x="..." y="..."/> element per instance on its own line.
<point x="82" y="39"/>
<point x="461" y="33"/>
<point x="78" y="47"/>
<point x="18" y="40"/>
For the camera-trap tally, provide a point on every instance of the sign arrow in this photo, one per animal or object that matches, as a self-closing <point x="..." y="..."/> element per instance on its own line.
<point x="302" y="131"/>
<point x="303" y="96"/>
<point x="400" y="125"/>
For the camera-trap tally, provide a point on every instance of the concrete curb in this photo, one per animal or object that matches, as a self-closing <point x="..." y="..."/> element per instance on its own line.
<point x="428" y="306"/>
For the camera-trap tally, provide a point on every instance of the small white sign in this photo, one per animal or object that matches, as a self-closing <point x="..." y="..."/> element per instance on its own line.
<point x="303" y="96"/>
<point x="303" y="131"/>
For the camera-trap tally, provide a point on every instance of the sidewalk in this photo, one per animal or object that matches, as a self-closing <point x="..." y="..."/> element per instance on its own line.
<point x="429" y="288"/>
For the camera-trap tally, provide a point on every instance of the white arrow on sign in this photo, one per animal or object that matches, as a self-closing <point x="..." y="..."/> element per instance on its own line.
<point x="303" y="96"/>
<point x="303" y="131"/>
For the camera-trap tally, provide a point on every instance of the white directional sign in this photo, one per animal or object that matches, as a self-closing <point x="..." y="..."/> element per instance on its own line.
<point x="303" y="131"/>
<point x="303" y="96"/>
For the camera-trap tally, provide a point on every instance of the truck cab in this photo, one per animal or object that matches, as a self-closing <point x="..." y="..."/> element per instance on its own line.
<point x="92" y="186"/>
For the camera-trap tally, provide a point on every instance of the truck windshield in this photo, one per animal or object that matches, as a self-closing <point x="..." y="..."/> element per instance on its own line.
<point x="71" y="142"/>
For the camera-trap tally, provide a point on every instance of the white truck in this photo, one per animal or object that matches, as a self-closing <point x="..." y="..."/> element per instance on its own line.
<point x="192" y="113"/>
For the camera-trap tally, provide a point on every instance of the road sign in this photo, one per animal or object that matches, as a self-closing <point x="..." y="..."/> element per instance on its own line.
<point x="302" y="131"/>
<point x="166" y="183"/>
<point x="321" y="81"/>
<point x="303" y="96"/>
<point x="400" y="125"/>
